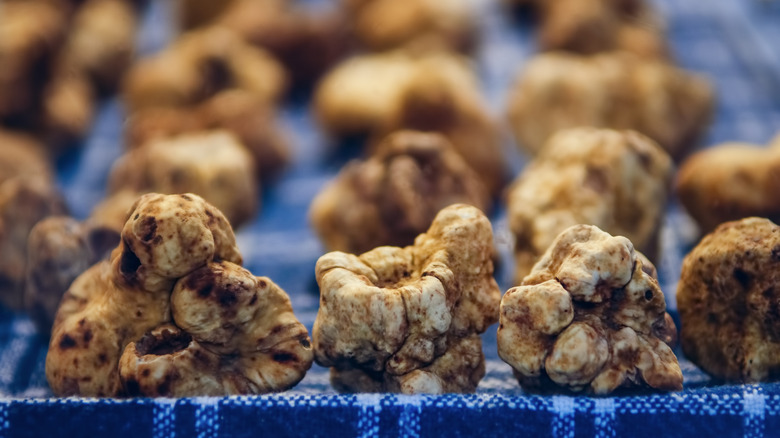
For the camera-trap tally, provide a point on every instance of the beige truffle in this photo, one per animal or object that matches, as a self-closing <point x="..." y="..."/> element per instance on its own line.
<point x="616" y="180"/>
<point x="592" y="26"/>
<point x="59" y="249"/>
<point x="731" y="181"/>
<point x="588" y="318"/>
<point x="124" y="324"/>
<point x="211" y="164"/>
<point x="614" y="90"/>
<point x="382" y="93"/>
<point x="408" y="319"/>
<point x="30" y="34"/>
<point x="250" y="119"/>
<point x="27" y="195"/>
<point x="308" y="42"/>
<point x="394" y="195"/>
<point x="199" y="65"/>
<point x="728" y="301"/>
<point x="381" y="25"/>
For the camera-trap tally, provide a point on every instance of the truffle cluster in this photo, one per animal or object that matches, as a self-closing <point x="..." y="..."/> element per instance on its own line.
<point x="173" y="313"/>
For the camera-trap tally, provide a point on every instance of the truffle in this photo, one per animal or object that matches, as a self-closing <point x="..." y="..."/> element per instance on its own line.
<point x="395" y="194"/>
<point x="588" y="318"/>
<point x="616" y="180"/>
<point x="408" y="319"/>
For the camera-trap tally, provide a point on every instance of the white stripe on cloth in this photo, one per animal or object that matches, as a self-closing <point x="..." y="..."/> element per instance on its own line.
<point x="563" y="422"/>
<point x="164" y="418"/>
<point x="368" y="422"/>
<point x="23" y="334"/>
<point x="207" y="417"/>
<point x="409" y="420"/>
<point x="754" y="411"/>
<point x="604" y="417"/>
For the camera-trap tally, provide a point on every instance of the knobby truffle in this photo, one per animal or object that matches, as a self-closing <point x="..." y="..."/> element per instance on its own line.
<point x="394" y="195"/>
<point x="615" y="90"/>
<point x="173" y="314"/>
<point x="616" y="180"/>
<point x="731" y="181"/>
<point x="729" y="302"/>
<point x="382" y="93"/>
<point x="588" y="318"/>
<point x="213" y="165"/>
<point x="408" y="319"/>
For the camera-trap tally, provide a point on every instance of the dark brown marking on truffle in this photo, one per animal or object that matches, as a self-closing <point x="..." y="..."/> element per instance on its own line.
<point x="67" y="342"/>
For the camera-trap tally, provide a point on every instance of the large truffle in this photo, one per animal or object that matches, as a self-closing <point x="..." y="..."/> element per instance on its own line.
<point x="408" y="319"/>
<point x="731" y="181"/>
<point x="173" y="314"/>
<point x="394" y="195"/>
<point x="729" y="302"/>
<point x="382" y="93"/>
<point x="213" y="165"/>
<point x="588" y="318"/>
<point x="615" y="90"/>
<point x="616" y="180"/>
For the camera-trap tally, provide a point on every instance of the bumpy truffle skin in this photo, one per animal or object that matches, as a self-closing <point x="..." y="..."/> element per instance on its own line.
<point x="731" y="181"/>
<point x="728" y="301"/>
<point x="236" y="334"/>
<point x="177" y="256"/>
<point x="382" y="93"/>
<point x="616" y="180"/>
<point x="59" y="249"/>
<point x="611" y="90"/>
<point x="408" y="319"/>
<point x="588" y="318"/>
<point x="210" y="164"/>
<point x="381" y="25"/>
<point x="394" y="196"/>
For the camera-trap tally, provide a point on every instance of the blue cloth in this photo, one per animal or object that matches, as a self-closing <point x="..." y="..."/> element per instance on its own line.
<point x="735" y="43"/>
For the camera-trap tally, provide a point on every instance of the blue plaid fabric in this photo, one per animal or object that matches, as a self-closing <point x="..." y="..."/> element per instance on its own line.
<point x="735" y="43"/>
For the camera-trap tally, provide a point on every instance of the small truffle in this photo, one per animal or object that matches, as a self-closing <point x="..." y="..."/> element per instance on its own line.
<point x="210" y="164"/>
<point x="731" y="181"/>
<point x="59" y="249"/>
<point x="172" y="314"/>
<point x="616" y="180"/>
<point x="27" y="195"/>
<point x="394" y="196"/>
<point x="588" y="318"/>
<point x="382" y="93"/>
<point x="199" y="65"/>
<point x="729" y="302"/>
<point x="408" y="319"/>
<point x="250" y="119"/>
<point x="614" y="90"/>
<point x="447" y="25"/>
<point x="592" y="26"/>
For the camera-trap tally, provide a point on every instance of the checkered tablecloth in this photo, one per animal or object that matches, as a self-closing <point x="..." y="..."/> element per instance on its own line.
<point x="734" y="42"/>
